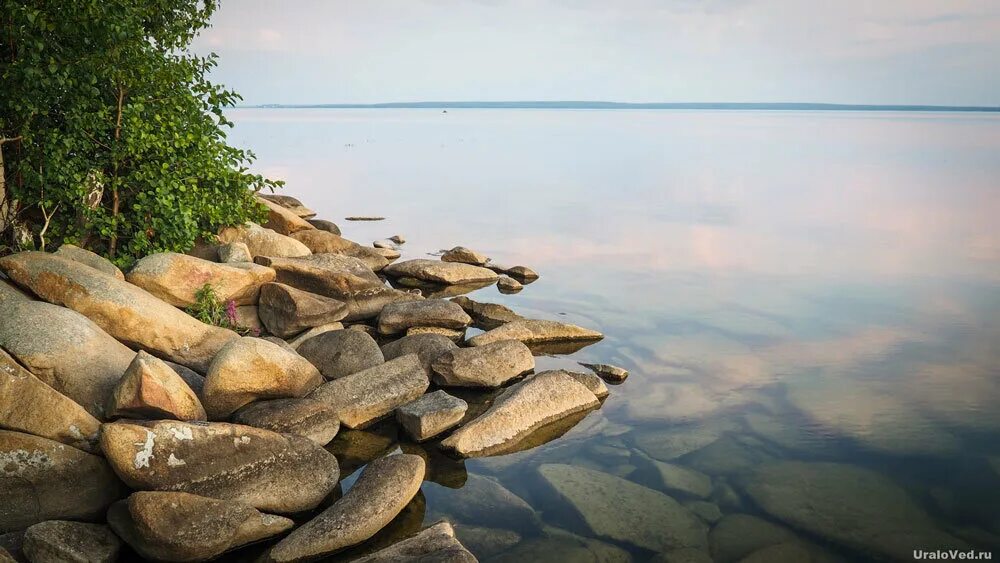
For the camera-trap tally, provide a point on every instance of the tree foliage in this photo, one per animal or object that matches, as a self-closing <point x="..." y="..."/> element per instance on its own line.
<point x="116" y="137"/>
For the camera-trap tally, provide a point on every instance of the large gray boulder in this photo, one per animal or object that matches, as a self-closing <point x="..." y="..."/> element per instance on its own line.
<point x="384" y="488"/>
<point x="486" y="316"/>
<point x="484" y="366"/>
<point x="29" y="405"/>
<point x="65" y="349"/>
<point x="273" y="472"/>
<point x="343" y="278"/>
<point x="369" y="395"/>
<point x="436" y="271"/>
<point x="398" y="317"/>
<point x="301" y="417"/>
<point x="250" y="369"/>
<point x="427" y="347"/>
<point x="263" y="242"/>
<point x="520" y="410"/>
<point x="58" y="541"/>
<point x="283" y="220"/>
<point x="176" y="526"/>
<point x="465" y="256"/>
<point x="616" y="509"/>
<point x="151" y="389"/>
<point x="126" y="312"/>
<point x="435" y="543"/>
<point x="534" y="331"/>
<point x="91" y="259"/>
<point x="290" y="203"/>
<point x="46" y="480"/>
<point x="286" y="311"/>
<point x="340" y="353"/>
<point x="325" y="242"/>
<point x="324" y="225"/>
<point x="177" y="278"/>
<point x="431" y="414"/>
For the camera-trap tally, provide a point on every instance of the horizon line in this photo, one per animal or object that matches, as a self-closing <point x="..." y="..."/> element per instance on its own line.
<point x="580" y="104"/>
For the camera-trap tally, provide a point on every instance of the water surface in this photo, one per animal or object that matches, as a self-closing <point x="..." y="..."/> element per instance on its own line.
<point x="813" y="286"/>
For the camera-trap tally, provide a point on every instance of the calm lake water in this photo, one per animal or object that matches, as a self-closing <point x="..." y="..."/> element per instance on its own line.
<point x="808" y="303"/>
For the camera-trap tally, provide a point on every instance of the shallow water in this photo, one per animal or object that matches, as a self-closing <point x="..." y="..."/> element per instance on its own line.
<point x="821" y="287"/>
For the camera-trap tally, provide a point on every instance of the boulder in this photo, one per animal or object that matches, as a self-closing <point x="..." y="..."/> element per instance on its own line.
<point x="486" y="316"/>
<point x="738" y="535"/>
<point x="484" y="499"/>
<point x="283" y="220"/>
<point x="849" y="505"/>
<point x="273" y="472"/>
<point x="177" y="279"/>
<point x="523" y="274"/>
<point x="384" y="244"/>
<point x="534" y="331"/>
<point x="235" y="252"/>
<point x="150" y="389"/>
<point x="193" y="379"/>
<point x="64" y="349"/>
<point x="590" y="381"/>
<point x="435" y="271"/>
<point x="61" y="541"/>
<point x="343" y="278"/>
<point x="29" y="405"/>
<point x="465" y="256"/>
<point x="324" y="225"/>
<point x="398" y="239"/>
<point x="431" y="415"/>
<point x="381" y="492"/>
<point x="508" y="285"/>
<point x="46" y="480"/>
<point x="366" y="396"/>
<point x="340" y="353"/>
<point x="250" y="369"/>
<point x="247" y="317"/>
<point x="616" y="509"/>
<point x="290" y="203"/>
<point x="607" y="372"/>
<point x="484" y="366"/>
<point x="398" y="317"/>
<point x="559" y="545"/>
<point x="313" y="332"/>
<point x="88" y="258"/>
<point x="177" y="526"/>
<point x="451" y="334"/>
<point x="674" y="443"/>
<point x="126" y="312"/>
<point x="435" y="543"/>
<point x="390" y="254"/>
<point x="324" y="242"/>
<point x="519" y="411"/>
<point x="287" y="311"/>
<point x="300" y="417"/>
<point x="263" y="242"/>
<point x="427" y="347"/>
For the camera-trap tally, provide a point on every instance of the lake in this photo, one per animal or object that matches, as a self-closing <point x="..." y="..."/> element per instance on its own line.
<point x="808" y="303"/>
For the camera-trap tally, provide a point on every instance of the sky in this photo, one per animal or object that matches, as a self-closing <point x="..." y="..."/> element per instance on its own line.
<point x="943" y="52"/>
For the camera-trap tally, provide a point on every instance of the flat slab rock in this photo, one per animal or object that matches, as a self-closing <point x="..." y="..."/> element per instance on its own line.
<point x="273" y="472"/>
<point x="431" y="415"/>
<point x="366" y="396"/>
<point x="427" y="347"/>
<point x="435" y="543"/>
<point x="286" y="311"/>
<point x="448" y="273"/>
<point x="308" y="418"/>
<point x="381" y="492"/>
<point x="465" y="256"/>
<point x="491" y="365"/>
<point x="61" y="540"/>
<point x="486" y="316"/>
<point x="398" y="317"/>
<point x="520" y="410"/>
<point x="177" y="278"/>
<point x="340" y="353"/>
<point x="535" y="331"/>
<point x="607" y="372"/>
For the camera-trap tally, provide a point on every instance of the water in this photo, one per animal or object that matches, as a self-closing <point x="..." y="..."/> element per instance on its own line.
<point x="820" y="287"/>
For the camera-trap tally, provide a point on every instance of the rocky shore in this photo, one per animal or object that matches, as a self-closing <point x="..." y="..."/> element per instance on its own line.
<point x="129" y="428"/>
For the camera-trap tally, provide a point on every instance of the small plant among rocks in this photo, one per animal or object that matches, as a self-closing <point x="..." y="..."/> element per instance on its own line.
<point x="210" y="309"/>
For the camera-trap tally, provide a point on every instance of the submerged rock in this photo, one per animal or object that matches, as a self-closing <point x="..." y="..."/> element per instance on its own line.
<point x="384" y="488"/>
<point x="176" y="526"/>
<point x="29" y="405"/>
<point x="287" y="311"/>
<point x="666" y="445"/>
<point x="431" y="415"/>
<point x="448" y="273"/>
<point x="484" y="366"/>
<point x="324" y="225"/>
<point x="486" y="542"/>
<point x="523" y="274"/>
<point x="465" y="256"/>
<point x="398" y="317"/>
<point x="46" y="480"/>
<point x="677" y="479"/>
<point x="435" y="543"/>
<point x="483" y="500"/>
<point x="559" y="545"/>
<point x="65" y="350"/>
<point x="607" y="372"/>
<point x="519" y="411"/>
<point x="264" y="242"/>
<point x="849" y="505"/>
<point x="300" y="417"/>
<point x="177" y="278"/>
<point x="508" y="285"/>
<point x="340" y="353"/>
<point x="486" y="316"/>
<point x="150" y="389"/>
<point x="427" y="347"/>
<point x="366" y="396"/>
<point x="273" y="472"/>
<point x="290" y="203"/>
<point x="86" y="257"/>
<point x="620" y="510"/>
<point x="126" y="312"/>
<point x="533" y="331"/>
<point x="63" y="541"/>
<point x="250" y="369"/>
<point x="738" y="535"/>
<point x="282" y="219"/>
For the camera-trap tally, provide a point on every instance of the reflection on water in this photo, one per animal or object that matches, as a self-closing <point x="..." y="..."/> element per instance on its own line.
<point x="809" y="304"/>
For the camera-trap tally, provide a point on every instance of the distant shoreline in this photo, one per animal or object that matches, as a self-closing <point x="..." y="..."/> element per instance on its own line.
<point x="624" y="105"/>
